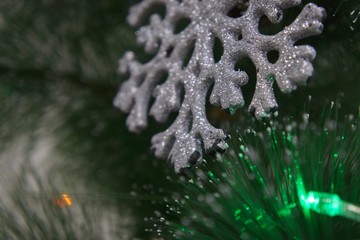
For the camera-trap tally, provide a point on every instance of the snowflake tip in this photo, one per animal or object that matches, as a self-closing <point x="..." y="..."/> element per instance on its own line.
<point x="123" y="63"/>
<point x="185" y="153"/>
<point x="219" y="146"/>
<point x="233" y="108"/>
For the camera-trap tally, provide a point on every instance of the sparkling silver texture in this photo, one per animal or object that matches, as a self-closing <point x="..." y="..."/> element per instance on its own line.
<point x="187" y="83"/>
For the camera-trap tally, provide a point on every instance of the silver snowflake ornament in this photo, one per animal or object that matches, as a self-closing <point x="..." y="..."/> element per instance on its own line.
<point x="186" y="60"/>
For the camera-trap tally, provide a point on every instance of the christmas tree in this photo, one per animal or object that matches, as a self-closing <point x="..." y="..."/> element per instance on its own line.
<point x="70" y="169"/>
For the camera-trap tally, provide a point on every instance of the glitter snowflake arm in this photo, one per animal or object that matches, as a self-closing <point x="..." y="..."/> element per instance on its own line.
<point x="294" y="64"/>
<point x="291" y="69"/>
<point x="188" y="82"/>
<point x="183" y="141"/>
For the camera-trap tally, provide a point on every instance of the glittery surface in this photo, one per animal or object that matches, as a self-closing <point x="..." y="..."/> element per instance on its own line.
<point x="186" y="85"/>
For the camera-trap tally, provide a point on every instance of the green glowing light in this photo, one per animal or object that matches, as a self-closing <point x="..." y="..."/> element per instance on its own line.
<point x="232" y="109"/>
<point x="324" y="203"/>
<point x="237" y="214"/>
<point x="331" y="205"/>
<point x="270" y="77"/>
<point x="301" y="191"/>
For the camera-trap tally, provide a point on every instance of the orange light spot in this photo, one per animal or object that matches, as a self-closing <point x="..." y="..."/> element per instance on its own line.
<point x="63" y="201"/>
<point x="67" y="199"/>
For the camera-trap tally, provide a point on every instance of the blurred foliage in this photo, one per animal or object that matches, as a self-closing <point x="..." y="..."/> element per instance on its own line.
<point x="72" y="38"/>
<point x="34" y="208"/>
<point x="58" y="62"/>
